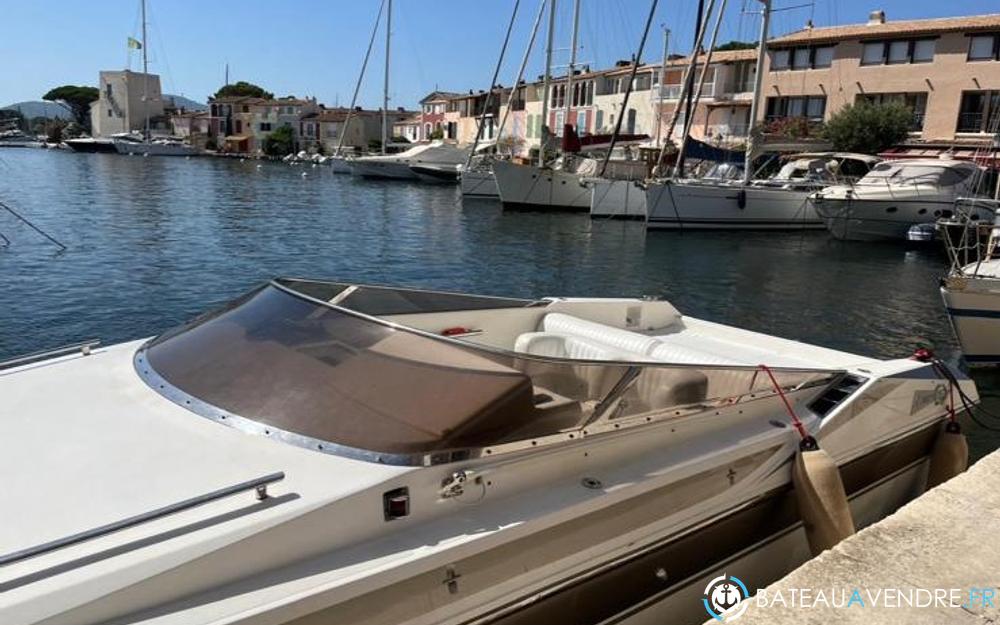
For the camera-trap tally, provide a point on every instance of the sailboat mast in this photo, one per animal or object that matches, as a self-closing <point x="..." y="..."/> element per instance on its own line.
<point x="357" y="85"/>
<point x="572" y="63"/>
<point x="545" y="84"/>
<point x="663" y="77"/>
<point x="385" y="86"/>
<point x="758" y="77"/>
<point x="145" y="76"/>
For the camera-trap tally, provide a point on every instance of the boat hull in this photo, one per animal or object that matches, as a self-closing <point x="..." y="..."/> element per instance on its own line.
<point x="877" y="220"/>
<point x="340" y="164"/>
<point x="479" y="184"/>
<point x="617" y="199"/>
<point x="106" y="146"/>
<point x="973" y="306"/>
<point x="683" y="205"/>
<point x="526" y="187"/>
<point x="384" y="169"/>
<point x="435" y="175"/>
<point x="153" y="149"/>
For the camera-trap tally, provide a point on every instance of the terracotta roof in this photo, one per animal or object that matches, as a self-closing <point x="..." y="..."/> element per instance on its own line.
<point x="235" y="99"/>
<point x="434" y="96"/>
<point x="891" y="28"/>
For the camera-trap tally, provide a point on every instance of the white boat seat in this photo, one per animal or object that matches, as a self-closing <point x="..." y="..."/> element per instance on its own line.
<point x="637" y="346"/>
<point x="656" y="388"/>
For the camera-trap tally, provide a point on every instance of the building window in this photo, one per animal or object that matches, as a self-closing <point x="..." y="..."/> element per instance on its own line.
<point x="898" y="51"/>
<point x="581" y="122"/>
<point x="812" y="108"/>
<point x="804" y="57"/>
<point x="109" y="111"/>
<point x="983" y="48"/>
<point x="976" y="109"/>
<point x="780" y="59"/>
<point x="239" y="126"/>
<point x="265" y="127"/>
<point x="246" y="109"/>
<point x="107" y="89"/>
<point x="916" y="101"/>
<point x="599" y="121"/>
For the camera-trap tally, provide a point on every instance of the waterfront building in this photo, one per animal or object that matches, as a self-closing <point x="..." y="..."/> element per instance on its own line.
<point x="432" y="114"/>
<point x="191" y="125"/>
<point x="722" y="115"/>
<point x="461" y="120"/>
<point x="121" y="106"/>
<point x="408" y="128"/>
<point x="325" y="127"/>
<point x="947" y="70"/>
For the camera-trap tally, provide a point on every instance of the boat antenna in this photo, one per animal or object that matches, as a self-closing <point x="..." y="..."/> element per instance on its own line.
<point x="688" y="75"/>
<point x="628" y="90"/>
<point x="679" y="165"/>
<point x="546" y="85"/>
<point x="385" y="86"/>
<point x="758" y="77"/>
<point x="357" y="85"/>
<point x="524" y="65"/>
<point x="493" y="82"/>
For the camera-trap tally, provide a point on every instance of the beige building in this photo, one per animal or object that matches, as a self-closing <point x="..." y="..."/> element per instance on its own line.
<point x="121" y="106"/>
<point x="947" y="70"/>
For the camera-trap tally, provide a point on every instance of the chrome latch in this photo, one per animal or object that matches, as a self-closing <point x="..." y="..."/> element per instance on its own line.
<point x="454" y="484"/>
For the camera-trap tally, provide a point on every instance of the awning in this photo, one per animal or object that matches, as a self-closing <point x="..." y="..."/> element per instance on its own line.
<point x="985" y="157"/>
<point x="237" y="138"/>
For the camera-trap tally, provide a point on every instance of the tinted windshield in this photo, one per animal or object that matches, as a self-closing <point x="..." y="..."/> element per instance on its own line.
<point x="323" y="372"/>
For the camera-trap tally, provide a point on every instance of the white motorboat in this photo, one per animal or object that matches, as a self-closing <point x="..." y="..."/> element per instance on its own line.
<point x="397" y="166"/>
<point x="91" y="144"/>
<point x="971" y="291"/>
<point x="779" y="202"/>
<point x="423" y="457"/>
<point x="164" y="146"/>
<point x="894" y="196"/>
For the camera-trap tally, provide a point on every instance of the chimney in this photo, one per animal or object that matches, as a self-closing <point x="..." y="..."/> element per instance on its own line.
<point x="876" y="17"/>
<point x="809" y="25"/>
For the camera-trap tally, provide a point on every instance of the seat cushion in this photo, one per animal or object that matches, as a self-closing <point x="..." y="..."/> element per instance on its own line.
<point x="635" y="346"/>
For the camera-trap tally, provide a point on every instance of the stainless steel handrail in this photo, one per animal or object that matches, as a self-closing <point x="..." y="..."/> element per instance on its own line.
<point x="259" y="485"/>
<point x="27" y="359"/>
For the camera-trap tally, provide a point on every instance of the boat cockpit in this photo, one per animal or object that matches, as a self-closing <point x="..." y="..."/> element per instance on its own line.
<point x="406" y="376"/>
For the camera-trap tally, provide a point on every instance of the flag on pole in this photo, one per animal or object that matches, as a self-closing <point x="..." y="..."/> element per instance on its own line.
<point x="134" y="44"/>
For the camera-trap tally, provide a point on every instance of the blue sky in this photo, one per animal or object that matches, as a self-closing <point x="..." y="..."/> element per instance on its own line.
<point x="314" y="47"/>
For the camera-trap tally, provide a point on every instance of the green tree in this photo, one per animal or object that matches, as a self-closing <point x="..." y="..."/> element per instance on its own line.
<point x="736" y="45"/>
<point x="280" y="142"/>
<point x="243" y="89"/>
<point x="77" y="98"/>
<point x="868" y="128"/>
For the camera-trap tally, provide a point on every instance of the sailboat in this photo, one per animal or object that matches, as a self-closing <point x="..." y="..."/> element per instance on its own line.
<point x="147" y="146"/>
<point x="686" y="203"/>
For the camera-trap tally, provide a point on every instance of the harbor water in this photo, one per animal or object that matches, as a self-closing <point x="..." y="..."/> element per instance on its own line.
<point x="152" y="242"/>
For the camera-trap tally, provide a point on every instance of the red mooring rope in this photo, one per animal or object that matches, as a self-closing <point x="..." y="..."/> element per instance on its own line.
<point x="796" y="422"/>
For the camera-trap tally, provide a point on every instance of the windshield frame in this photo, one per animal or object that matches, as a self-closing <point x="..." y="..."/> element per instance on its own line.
<point x="599" y="424"/>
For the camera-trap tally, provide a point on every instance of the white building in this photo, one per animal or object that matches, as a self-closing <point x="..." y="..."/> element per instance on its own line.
<point x="121" y="106"/>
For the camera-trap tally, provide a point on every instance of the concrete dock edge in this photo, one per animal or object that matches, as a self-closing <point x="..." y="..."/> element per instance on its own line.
<point x="949" y="538"/>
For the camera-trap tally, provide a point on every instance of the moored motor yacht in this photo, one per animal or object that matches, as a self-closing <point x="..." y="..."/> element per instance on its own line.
<point x="426" y="457"/>
<point x="398" y="166"/>
<point x="91" y="144"/>
<point x="894" y="196"/>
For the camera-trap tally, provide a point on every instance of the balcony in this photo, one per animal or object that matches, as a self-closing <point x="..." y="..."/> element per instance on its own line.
<point x="673" y="92"/>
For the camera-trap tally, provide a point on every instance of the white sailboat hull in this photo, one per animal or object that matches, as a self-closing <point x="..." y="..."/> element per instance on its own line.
<point x="480" y="184"/>
<point x="392" y="170"/>
<point x="973" y="305"/>
<point x="340" y="164"/>
<point x="622" y="199"/>
<point x="526" y="187"/>
<point x="692" y="205"/>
